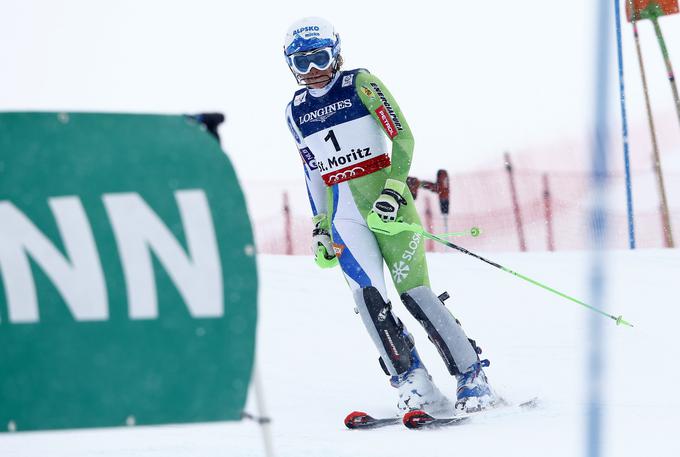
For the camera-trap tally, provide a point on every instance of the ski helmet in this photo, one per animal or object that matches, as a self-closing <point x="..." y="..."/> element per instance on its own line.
<point x="311" y="42"/>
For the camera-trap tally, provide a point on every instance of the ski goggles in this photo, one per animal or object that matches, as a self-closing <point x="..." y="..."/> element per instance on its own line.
<point x="319" y="59"/>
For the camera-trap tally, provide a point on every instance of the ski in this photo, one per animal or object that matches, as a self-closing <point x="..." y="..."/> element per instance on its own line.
<point x="420" y="419"/>
<point x="358" y="420"/>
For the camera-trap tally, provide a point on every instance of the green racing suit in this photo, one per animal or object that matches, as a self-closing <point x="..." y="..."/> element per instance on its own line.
<point x="341" y="131"/>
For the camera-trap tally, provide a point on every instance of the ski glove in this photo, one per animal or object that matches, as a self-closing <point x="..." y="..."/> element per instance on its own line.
<point x="387" y="204"/>
<point x="322" y="246"/>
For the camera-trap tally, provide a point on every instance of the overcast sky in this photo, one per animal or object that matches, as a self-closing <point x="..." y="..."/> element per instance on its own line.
<point x="473" y="78"/>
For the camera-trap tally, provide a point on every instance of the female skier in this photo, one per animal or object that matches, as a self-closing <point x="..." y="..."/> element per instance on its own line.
<point x="339" y="121"/>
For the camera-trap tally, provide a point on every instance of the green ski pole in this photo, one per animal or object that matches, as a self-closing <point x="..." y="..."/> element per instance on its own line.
<point x="393" y="228"/>
<point x="474" y="231"/>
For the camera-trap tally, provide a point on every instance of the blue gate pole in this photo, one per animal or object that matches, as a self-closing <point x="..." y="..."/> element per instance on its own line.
<point x="624" y="127"/>
<point x="598" y="224"/>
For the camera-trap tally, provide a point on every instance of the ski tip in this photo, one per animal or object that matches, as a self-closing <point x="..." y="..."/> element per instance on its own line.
<point x="416" y="419"/>
<point x="356" y="418"/>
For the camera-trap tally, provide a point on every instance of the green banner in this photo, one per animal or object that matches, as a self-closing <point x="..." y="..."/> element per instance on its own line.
<point x="128" y="283"/>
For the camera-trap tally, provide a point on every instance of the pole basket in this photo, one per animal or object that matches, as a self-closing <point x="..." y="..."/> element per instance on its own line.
<point x="650" y="9"/>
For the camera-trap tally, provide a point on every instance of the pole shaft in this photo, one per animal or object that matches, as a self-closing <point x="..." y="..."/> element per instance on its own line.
<point x="547" y="205"/>
<point x="669" y="67"/>
<point x="265" y="427"/>
<point x="594" y="370"/>
<point x="287" y="225"/>
<point x="674" y="88"/>
<point x="429" y="245"/>
<point x="443" y="185"/>
<point x="515" y="204"/>
<point x="518" y="275"/>
<point x="393" y="228"/>
<point x="624" y="128"/>
<point x="668" y="236"/>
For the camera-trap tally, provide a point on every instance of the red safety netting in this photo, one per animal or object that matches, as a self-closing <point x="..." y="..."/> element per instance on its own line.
<point x="484" y="199"/>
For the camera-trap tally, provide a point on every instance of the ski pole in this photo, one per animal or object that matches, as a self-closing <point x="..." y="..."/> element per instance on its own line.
<point x="393" y="228"/>
<point x="474" y="231"/>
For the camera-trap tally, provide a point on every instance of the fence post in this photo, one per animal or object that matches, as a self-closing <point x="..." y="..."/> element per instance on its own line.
<point x="443" y="193"/>
<point x="287" y="225"/>
<point x="429" y="244"/>
<point x="515" y="204"/>
<point x="665" y="227"/>
<point x="547" y="205"/>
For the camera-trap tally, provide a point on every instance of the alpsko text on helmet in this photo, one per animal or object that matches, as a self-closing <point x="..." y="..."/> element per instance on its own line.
<point x="311" y="28"/>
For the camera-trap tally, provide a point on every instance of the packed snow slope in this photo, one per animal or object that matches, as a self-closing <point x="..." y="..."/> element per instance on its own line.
<point x="318" y="364"/>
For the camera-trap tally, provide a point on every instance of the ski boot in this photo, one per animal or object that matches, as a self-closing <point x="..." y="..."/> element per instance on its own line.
<point x="474" y="393"/>
<point x="417" y="390"/>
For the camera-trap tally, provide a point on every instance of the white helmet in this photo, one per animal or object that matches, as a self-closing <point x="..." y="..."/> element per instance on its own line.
<point x="311" y="42"/>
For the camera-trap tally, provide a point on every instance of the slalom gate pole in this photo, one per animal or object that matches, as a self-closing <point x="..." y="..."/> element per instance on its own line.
<point x="667" y="61"/>
<point x="624" y="126"/>
<point x="596" y="341"/>
<point x="671" y="78"/>
<point x="668" y="234"/>
<point x="393" y="228"/>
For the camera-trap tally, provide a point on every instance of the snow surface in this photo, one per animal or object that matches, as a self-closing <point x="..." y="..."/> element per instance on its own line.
<point x="318" y="364"/>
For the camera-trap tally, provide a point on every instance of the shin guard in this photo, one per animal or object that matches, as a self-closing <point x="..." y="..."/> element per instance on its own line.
<point x="385" y="329"/>
<point x="442" y="328"/>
